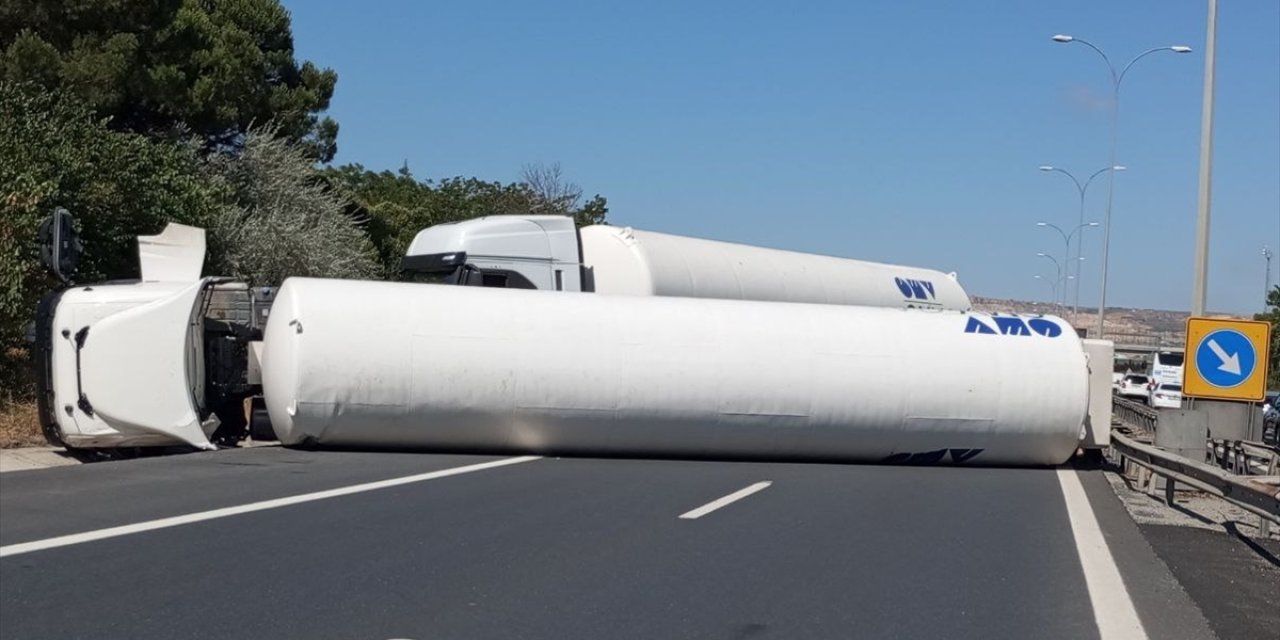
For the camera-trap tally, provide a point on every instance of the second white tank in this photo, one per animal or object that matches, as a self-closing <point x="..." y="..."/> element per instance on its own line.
<point x="627" y="261"/>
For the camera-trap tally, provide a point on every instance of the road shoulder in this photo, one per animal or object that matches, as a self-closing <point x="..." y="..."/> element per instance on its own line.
<point x="29" y="458"/>
<point x="1166" y="610"/>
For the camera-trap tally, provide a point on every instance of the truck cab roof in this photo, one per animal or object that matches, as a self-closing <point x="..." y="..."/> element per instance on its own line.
<point x="534" y="237"/>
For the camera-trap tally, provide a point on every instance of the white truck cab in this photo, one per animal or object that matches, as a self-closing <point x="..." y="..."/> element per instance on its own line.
<point x="507" y="252"/>
<point x="143" y="363"/>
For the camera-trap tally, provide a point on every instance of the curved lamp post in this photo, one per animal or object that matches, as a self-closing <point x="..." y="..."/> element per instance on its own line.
<point x="1116" y="78"/>
<point x="1081" y="188"/>
<point x="1053" y="283"/>
<point x="1066" y="243"/>
<point x="1057" y="279"/>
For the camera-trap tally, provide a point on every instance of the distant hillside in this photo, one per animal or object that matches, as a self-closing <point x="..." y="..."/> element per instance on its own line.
<point x="1170" y="326"/>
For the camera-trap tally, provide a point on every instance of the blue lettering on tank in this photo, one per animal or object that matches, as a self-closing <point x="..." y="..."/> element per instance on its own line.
<point x="977" y="326"/>
<point x="1013" y="326"/>
<point x="1045" y="327"/>
<point x="916" y="289"/>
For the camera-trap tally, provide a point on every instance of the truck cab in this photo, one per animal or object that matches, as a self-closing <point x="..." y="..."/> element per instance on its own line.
<point x="510" y="252"/>
<point x="158" y="361"/>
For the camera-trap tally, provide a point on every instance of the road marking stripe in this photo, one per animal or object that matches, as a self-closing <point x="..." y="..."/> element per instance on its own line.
<point x="1113" y="610"/>
<point x="201" y="516"/>
<point x="725" y="501"/>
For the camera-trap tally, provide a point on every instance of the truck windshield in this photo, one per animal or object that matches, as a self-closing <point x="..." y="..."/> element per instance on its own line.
<point x="432" y="277"/>
<point x="468" y="275"/>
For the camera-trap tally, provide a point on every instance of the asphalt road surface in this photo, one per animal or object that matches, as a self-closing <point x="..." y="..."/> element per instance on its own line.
<point x="270" y="542"/>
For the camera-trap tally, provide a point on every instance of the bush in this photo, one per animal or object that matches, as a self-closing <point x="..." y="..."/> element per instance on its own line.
<point x="1273" y="356"/>
<point x="395" y="206"/>
<point x="54" y="153"/>
<point x="281" y="220"/>
<point x="20" y="425"/>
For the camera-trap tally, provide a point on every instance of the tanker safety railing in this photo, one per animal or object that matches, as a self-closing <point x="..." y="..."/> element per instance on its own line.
<point x="1255" y="496"/>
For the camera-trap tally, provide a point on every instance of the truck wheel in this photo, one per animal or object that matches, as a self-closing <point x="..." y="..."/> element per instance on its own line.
<point x="260" y="422"/>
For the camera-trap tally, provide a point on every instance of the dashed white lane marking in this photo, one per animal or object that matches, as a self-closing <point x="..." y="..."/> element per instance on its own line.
<point x="1113" y="609"/>
<point x="201" y="516"/>
<point x="725" y="501"/>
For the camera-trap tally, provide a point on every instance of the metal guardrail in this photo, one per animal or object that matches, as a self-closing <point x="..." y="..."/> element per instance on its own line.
<point x="1260" y="499"/>
<point x="1241" y="456"/>
<point x="1245" y="457"/>
<point x="1134" y="414"/>
<point x="1148" y="341"/>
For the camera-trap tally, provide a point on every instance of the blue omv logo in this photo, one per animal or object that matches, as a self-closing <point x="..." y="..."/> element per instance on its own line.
<point x="915" y="289"/>
<point x="1013" y="326"/>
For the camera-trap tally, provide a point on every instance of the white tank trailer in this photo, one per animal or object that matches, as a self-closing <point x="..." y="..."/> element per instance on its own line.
<point x="550" y="253"/>
<point x="366" y="364"/>
<point x="628" y="261"/>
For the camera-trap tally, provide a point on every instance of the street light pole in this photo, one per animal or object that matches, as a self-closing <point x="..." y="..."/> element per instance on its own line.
<point x="1066" y="255"/>
<point x="1266" y="291"/>
<point x="1082" y="189"/>
<point x="1057" y="268"/>
<point x="1116" y="78"/>
<point x="1200" y="278"/>
<point x="1054" y="285"/>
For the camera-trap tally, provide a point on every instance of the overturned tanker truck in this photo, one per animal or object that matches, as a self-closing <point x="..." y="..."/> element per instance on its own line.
<point x="406" y="365"/>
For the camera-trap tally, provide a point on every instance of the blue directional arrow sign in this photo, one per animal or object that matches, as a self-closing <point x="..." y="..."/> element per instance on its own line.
<point x="1225" y="358"/>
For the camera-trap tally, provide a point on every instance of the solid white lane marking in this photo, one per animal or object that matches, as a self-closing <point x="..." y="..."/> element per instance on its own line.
<point x="725" y="501"/>
<point x="1113" y="610"/>
<point x="201" y="516"/>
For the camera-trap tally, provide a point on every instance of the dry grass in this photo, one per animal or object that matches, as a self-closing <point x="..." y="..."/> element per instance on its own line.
<point x="20" y="425"/>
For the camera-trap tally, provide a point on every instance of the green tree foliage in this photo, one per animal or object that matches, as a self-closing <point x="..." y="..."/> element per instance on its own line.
<point x="281" y="220"/>
<point x="55" y="153"/>
<point x="395" y="206"/>
<point x="160" y="66"/>
<point x="550" y="193"/>
<point x="1272" y="315"/>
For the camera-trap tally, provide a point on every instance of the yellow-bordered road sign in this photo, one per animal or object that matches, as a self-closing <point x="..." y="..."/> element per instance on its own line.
<point x="1226" y="359"/>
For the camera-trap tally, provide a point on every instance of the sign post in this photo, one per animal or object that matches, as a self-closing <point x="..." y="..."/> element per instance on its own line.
<point x="1226" y="359"/>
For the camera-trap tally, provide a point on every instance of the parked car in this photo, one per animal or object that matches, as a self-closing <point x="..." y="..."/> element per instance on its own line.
<point x="1134" y="386"/>
<point x="1271" y="419"/>
<point x="1166" y="396"/>
<point x="1116" y="379"/>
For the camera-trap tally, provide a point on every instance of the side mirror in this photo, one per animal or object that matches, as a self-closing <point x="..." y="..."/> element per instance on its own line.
<point x="60" y="247"/>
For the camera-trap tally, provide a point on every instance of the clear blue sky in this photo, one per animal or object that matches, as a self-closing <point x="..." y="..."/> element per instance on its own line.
<point x="905" y="132"/>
